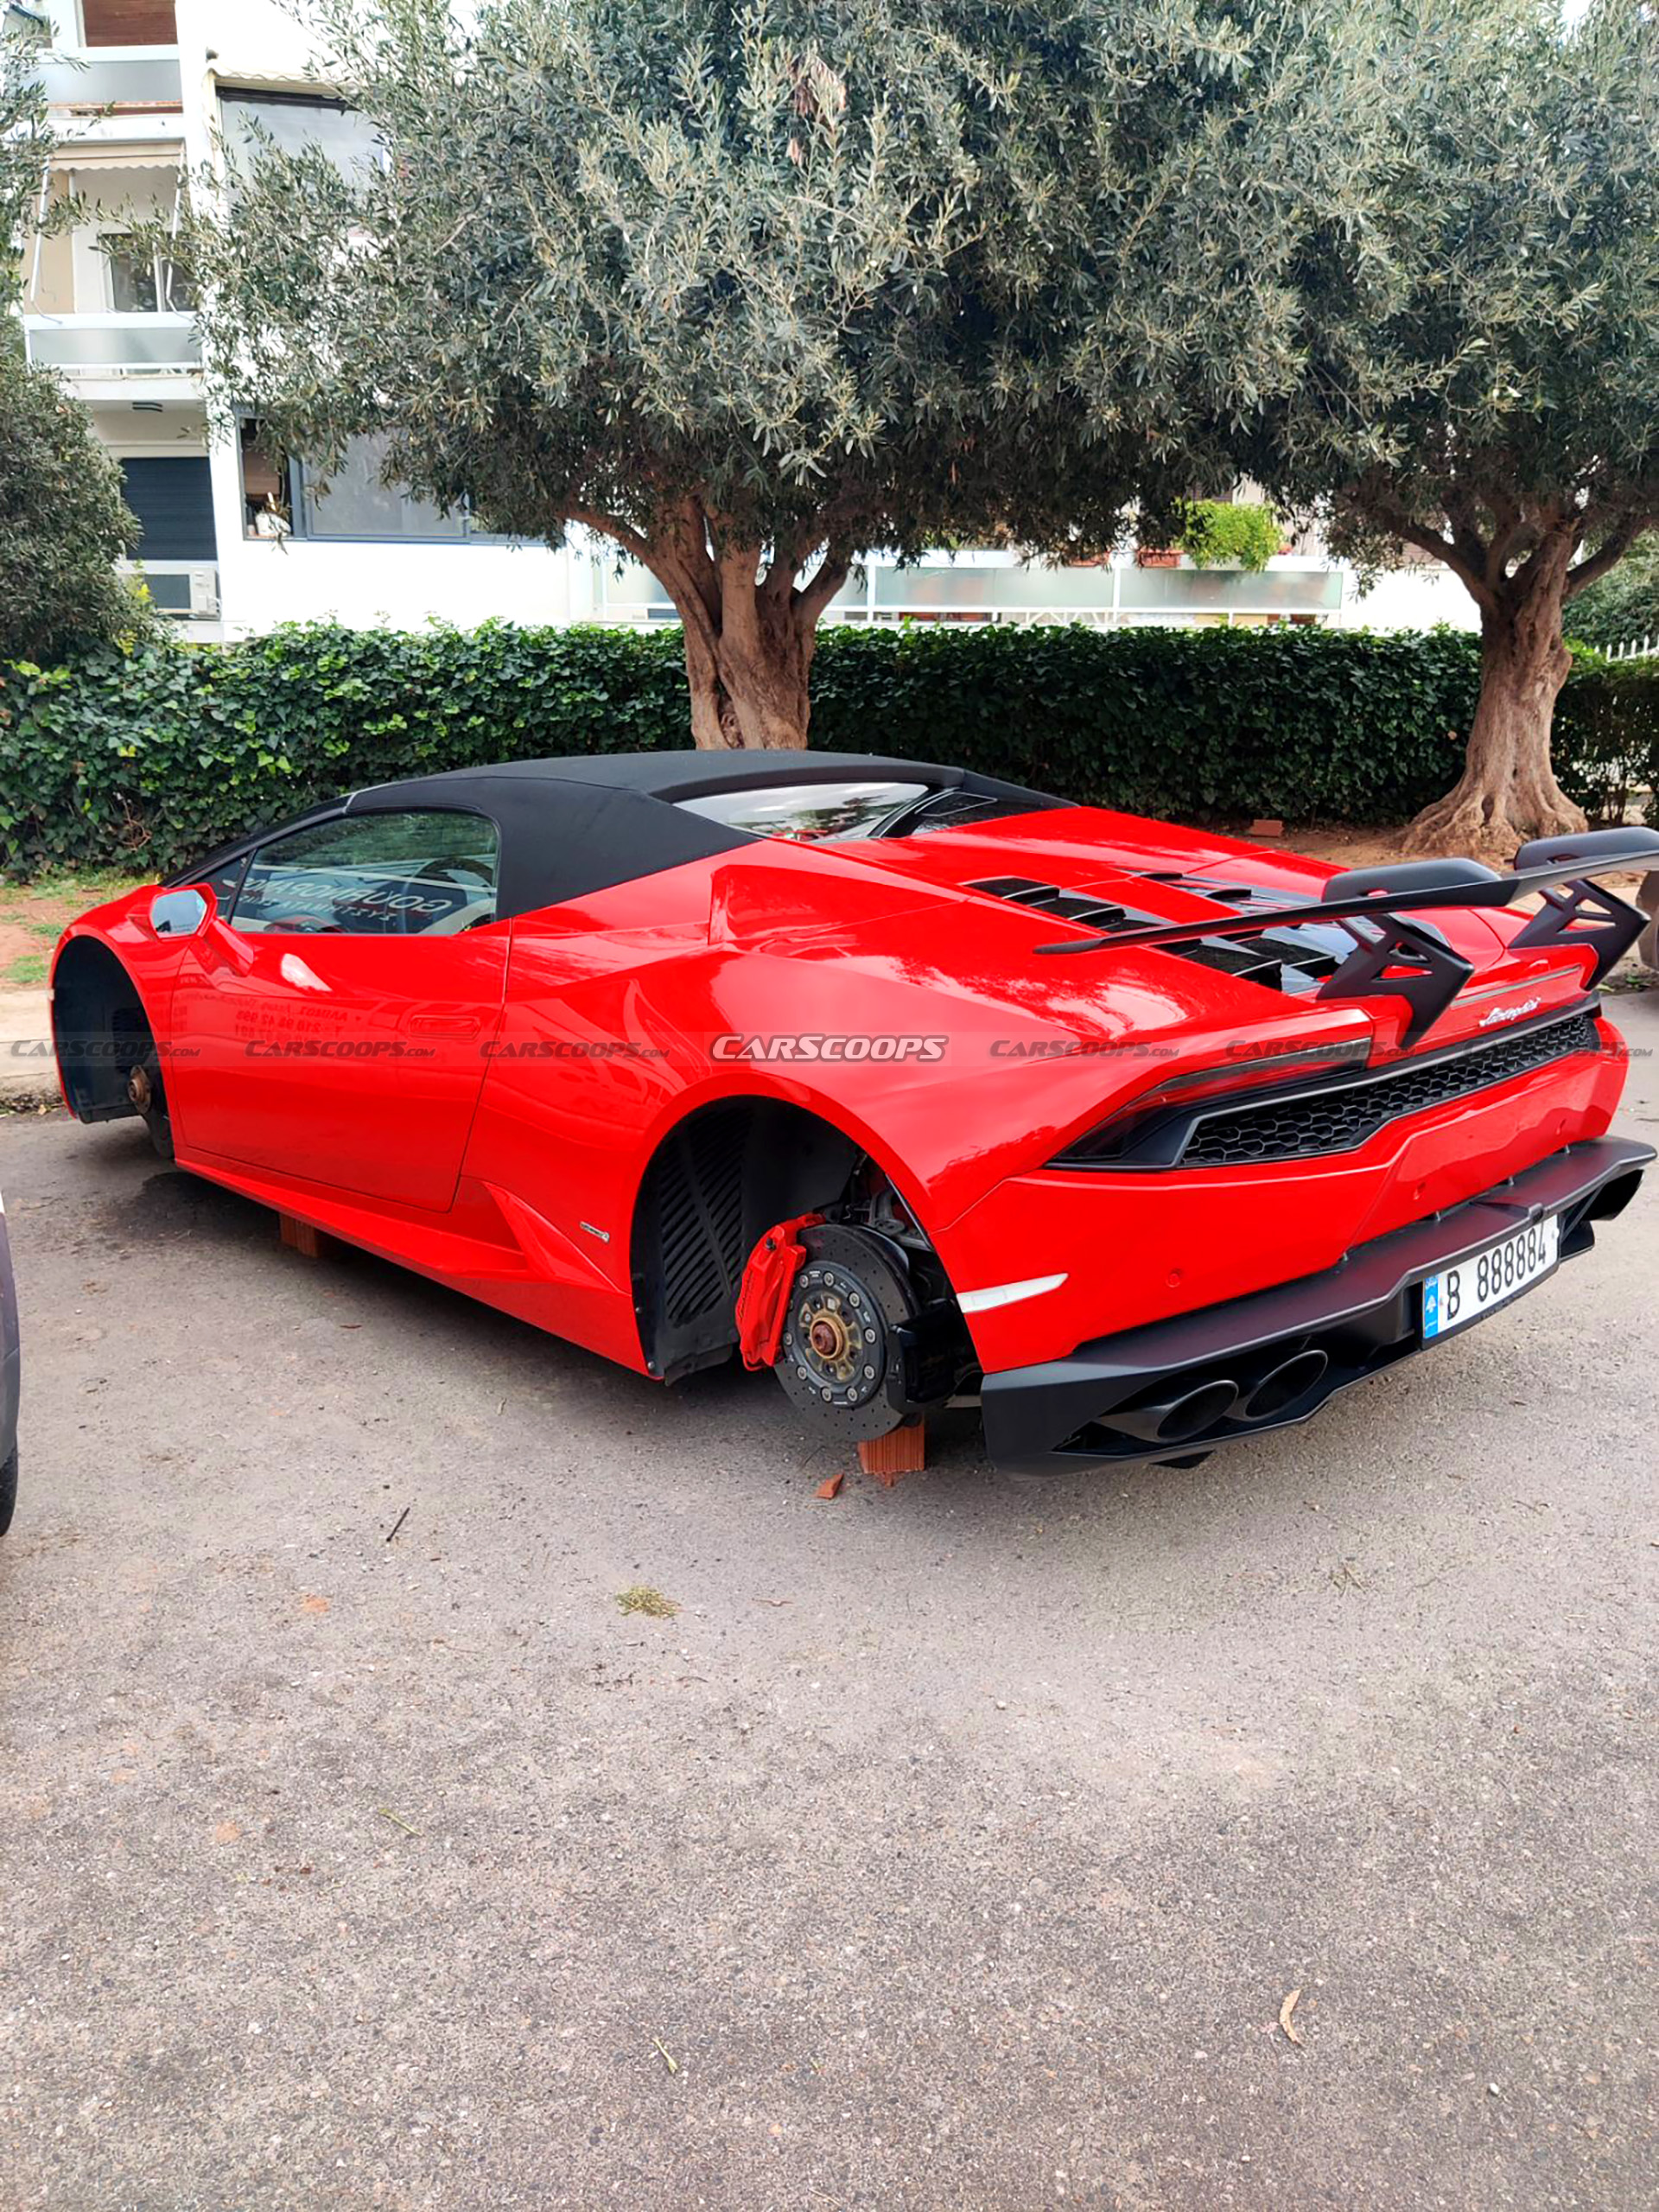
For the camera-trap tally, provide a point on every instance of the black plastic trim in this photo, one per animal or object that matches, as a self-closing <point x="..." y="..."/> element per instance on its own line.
<point x="1380" y="894"/>
<point x="1163" y="1141"/>
<point x="1362" y="1314"/>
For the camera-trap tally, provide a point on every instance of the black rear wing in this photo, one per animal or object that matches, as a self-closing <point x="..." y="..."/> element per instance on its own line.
<point x="1395" y="957"/>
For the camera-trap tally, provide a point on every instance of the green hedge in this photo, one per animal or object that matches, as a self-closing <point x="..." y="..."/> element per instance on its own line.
<point x="151" y="759"/>
<point x="1606" y="743"/>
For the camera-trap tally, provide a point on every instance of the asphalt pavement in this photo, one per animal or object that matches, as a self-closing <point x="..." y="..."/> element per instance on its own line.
<point x="954" y="1846"/>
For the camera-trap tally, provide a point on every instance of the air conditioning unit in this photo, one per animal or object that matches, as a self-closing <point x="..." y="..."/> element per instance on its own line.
<point x="204" y="594"/>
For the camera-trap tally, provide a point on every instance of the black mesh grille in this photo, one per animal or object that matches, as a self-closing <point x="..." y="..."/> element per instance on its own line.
<point x="1344" y="1116"/>
<point x="699" y="1200"/>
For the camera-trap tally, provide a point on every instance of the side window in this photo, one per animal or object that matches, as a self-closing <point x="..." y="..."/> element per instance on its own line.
<point x="411" y="874"/>
<point x="225" y="883"/>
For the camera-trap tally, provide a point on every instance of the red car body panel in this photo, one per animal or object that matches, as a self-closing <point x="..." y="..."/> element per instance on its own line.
<point x="484" y="1108"/>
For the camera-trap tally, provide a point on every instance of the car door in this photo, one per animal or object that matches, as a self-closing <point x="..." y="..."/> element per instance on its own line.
<point x="333" y="1020"/>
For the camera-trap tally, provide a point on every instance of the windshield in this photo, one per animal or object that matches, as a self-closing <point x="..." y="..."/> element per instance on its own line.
<point x="809" y="811"/>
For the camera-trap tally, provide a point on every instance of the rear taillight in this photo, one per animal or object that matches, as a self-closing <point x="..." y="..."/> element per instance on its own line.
<point x="1247" y="1068"/>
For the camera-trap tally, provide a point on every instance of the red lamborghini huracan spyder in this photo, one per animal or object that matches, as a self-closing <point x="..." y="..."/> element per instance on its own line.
<point x="906" y="1081"/>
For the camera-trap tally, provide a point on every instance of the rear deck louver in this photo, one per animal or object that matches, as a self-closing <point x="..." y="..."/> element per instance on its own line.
<point x="1295" y="959"/>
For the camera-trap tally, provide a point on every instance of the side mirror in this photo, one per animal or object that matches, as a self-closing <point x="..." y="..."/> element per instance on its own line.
<point x="182" y="913"/>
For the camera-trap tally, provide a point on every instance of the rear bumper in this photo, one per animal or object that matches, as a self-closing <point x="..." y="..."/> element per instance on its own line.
<point x="1101" y="1404"/>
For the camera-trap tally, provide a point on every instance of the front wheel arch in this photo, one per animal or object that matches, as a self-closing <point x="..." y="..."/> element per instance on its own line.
<point x="102" y="1034"/>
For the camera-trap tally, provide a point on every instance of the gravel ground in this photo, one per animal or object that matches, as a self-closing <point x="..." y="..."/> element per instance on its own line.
<point x="954" y="1846"/>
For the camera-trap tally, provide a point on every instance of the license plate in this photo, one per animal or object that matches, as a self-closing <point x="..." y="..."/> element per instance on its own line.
<point x="1458" y="1295"/>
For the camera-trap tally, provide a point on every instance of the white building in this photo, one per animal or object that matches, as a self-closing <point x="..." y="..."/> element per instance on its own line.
<point x="236" y="539"/>
<point x="139" y="92"/>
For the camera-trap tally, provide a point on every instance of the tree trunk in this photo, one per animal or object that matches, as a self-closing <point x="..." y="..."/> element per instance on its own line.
<point x="748" y="673"/>
<point x="750" y="630"/>
<point x="1508" y="792"/>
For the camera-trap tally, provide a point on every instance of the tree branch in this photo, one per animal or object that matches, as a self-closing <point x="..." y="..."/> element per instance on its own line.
<point x="1516" y="532"/>
<point x="1473" y="551"/>
<point x="787" y="554"/>
<point x="689" y="536"/>
<point x="1471" y="572"/>
<point x="739" y="599"/>
<point x="1610" y="551"/>
<point x="608" y="526"/>
<point x="832" y="573"/>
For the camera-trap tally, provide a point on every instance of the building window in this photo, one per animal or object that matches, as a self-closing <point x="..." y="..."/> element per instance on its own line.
<point x="251" y="122"/>
<point x="142" y="283"/>
<point x="173" y="498"/>
<point x="267" y="494"/>
<point x="353" y="501"/>
<point x="282" y="497"/>
<point x="128" y="22"/>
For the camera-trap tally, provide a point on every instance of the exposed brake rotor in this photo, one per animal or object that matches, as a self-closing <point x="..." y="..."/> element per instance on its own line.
<point x="842" y="1356"/>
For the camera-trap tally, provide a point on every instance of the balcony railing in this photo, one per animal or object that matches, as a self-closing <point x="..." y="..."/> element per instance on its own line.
<point x="981" y="590"/>
<point x="129" y="78"/>
<point x="114" y="344"/>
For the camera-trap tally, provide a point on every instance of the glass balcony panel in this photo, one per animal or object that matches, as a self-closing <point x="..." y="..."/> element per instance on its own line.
<point x="629" y="593"/>
<point x="114" y="80"/>
<point x="952" y="592"/>
<point x="944" y="586"/>
<point x="144" y="344"/>
<point x="1186" y="593"/>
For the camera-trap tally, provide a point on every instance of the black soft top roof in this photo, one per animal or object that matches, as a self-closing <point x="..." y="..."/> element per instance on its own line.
<point x="670" y="776"/>
<point x="571" y="826"/>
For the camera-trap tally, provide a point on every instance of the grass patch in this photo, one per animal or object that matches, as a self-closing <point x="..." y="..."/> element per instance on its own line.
<point x="92" y="883"/>
<point x="640" y="1598"/>
<point x="25" y="974"/>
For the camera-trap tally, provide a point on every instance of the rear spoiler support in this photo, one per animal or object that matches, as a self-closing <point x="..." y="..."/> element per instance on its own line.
<point x="1372" y="903"/>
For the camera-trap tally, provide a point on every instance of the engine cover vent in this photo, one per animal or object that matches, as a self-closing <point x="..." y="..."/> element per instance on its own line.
<point x="1292" y="960"/>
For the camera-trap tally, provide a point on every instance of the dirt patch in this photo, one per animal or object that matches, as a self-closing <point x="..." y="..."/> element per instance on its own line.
<point x="34" y="916"/>
<point x="1346" y="848"/>
<point x="1341" y="847"/>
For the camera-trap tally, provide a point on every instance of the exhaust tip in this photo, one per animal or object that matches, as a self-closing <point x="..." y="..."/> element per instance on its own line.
<point x="1284" y="1385"/>
<point x="1199" y="1410"/>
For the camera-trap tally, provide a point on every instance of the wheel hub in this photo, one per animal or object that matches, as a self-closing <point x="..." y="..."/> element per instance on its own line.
<point x="139" y="1088"/>
<point x="827" y="1338"/>
<point x="841" y="1355"/>
<point x="840" y="1339"/>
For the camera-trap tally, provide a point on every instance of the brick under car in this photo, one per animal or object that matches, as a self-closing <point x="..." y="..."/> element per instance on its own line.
<point x="907" y="1083"/>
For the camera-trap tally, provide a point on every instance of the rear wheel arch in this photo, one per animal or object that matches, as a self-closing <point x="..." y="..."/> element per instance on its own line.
<point x="717" y="1180"/>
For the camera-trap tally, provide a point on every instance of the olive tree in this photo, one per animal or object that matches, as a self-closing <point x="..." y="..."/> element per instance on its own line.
<point x="1465" y="258"/>
<point x="747" y="290"/>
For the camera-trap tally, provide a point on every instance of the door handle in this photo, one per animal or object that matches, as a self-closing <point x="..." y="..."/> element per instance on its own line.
<point x="444" y="1025"/>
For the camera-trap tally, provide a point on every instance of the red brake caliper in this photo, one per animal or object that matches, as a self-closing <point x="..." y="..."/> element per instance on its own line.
<point x="763" y="1294"/>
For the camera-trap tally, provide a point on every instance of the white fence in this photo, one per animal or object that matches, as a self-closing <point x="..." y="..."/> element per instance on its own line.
<point x="1634" y="648"/>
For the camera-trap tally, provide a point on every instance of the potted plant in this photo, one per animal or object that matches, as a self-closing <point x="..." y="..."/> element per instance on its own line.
<point x="1229" y="534"/>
